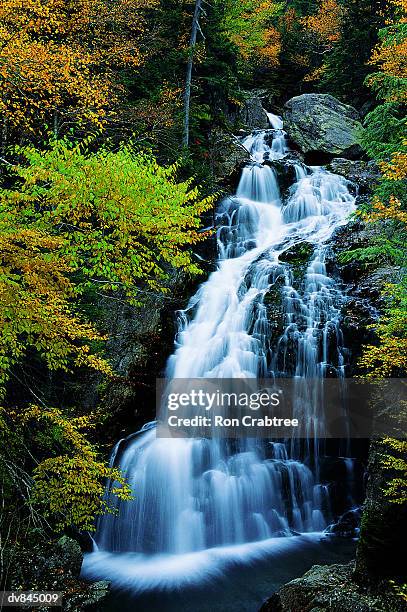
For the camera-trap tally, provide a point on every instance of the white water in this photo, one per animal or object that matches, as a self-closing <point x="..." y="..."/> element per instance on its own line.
<point x="197" y="495"/>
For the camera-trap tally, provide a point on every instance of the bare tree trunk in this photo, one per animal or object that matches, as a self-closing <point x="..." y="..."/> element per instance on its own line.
<point x="188" y="79"/>
<point x="55" y="124"/>
<point x="3" y="143"/>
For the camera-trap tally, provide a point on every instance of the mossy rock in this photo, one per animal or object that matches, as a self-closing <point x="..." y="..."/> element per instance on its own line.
<point x="332" y="588"/>
<point x="298" y="257"/>
<point x="298" y="254"/>
<point x="319" y="123"/>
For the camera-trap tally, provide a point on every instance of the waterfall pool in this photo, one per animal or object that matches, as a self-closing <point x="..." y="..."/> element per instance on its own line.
<point x="226" y="579"/>
<point x="205" y="529"/>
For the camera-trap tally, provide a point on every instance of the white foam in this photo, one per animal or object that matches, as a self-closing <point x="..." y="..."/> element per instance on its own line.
<point x="140" y="572"/>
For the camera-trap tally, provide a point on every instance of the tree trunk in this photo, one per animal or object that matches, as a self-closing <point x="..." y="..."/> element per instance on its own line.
<point x="188" y="78"/>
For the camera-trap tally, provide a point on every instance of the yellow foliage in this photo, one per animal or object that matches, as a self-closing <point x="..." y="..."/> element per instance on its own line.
<point x="390" y="357"/>
<point x="397" y="461"/>
<point x="380" y="212"/>
<point x="289" y="19"/>
<point x="248" y="24"/>
<point x="35" y="303"/>
<point x="396" y="169"/>
<point x="326" y="23"/>
<point x="315" y="75"/>
<point x="389" y="57"/>
<point x="70" y="486"/>
<point x="58" y="57"/>
<point x="272" y="47"/>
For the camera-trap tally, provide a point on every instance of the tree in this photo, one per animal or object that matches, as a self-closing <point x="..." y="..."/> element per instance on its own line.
<point x="188" y="78"/>
<point x="59" y="61"/>
<point x="121" y="218"/>
<point x="346" y="66"/>
<point x="75" y="223"/>
<point x="325" y="25"/>
<point x="69" y="486"/>
<point x="250" y="25"/>
<point x="385" y="140"/>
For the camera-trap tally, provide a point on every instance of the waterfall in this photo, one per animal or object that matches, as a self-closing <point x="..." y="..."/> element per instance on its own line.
<point x="196" y="494"/>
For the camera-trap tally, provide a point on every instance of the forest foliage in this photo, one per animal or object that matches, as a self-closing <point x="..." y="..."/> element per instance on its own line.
<point x="75" y="225"/>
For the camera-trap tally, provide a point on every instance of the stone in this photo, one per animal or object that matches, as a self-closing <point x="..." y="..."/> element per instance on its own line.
<point x="230" y="156"/>
<point x="89" y="598"/>
<point x="66" y="554"/>
<point x="364" y="174"/>
<point x="321" y="124"/>
<point x="331" y="588"/>
<point x="253" y="115"/>
<point x="298" y="254"/>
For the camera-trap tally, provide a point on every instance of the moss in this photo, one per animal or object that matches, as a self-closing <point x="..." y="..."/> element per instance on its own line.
<point x="382" y="541"/>
<point x="299" y="254"/>
<point x="298" y="257"/>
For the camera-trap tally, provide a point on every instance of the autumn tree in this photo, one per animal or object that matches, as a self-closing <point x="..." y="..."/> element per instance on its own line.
<point x="324" y="26"/>
<point x="346" y="65"/>
<point x="385" y="139"/>
<point x="77" y="223"/>
<point x="60" y="59"/>
<point x="250" y="25"/>
<point x="322" y="30"/>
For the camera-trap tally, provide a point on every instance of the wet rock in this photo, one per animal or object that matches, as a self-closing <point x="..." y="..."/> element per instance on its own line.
<point x="298" y="254"/>
<point x="140" y="340"/>
<point x="89" y="599"/>
<point x="320" y="124"/>
<point x="67" y="554"/>
<point x="364" y="174"/>
<point x="285" y="169"/>
<point x="298" y="257"/>
<point x="383" y="542"/>
<point x="347" y="526"/>
<point x="331" y="588"/>
<point x="230" y="156"/>
<point x="252" y="113"/>
<point x="55" y="566"/>
<point x="273" y="301"/>
<point x="364" y="285"/>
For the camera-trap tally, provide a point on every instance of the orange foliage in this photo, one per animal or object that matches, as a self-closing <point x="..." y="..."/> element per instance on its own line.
<point x="289" y="19"/>
<point x="36" y="304"/>
<point x="390" y="57"/>
<point x="326" y="23"/>
<point x="60" y="56"/>
<point x="396" y="169"/>
<point x="315" y="75"/>
<point x="272" y="47"/>
<point x="392" y="211"/>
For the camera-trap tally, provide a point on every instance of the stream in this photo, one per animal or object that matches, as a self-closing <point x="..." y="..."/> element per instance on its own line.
<point x="215" y="525"/>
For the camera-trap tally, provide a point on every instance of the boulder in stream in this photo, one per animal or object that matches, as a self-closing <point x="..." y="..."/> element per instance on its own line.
<point x="364" y="174"/>
<point x="252" y="113"/>
<point x="319" y="124"/>
<point x="332" y="588"/>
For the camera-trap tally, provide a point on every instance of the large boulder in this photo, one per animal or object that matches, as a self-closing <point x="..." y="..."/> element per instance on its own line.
<point x="55" y="566"/>
<point x="364" y="174"/>
<point x="331" y="588"/>
<point x="253" y="115"/>
<point x="320" y="124"/>
<point x="230" y="156"/>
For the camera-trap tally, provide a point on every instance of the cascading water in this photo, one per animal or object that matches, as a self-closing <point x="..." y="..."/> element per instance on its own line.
<point x="193" y="495"/>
